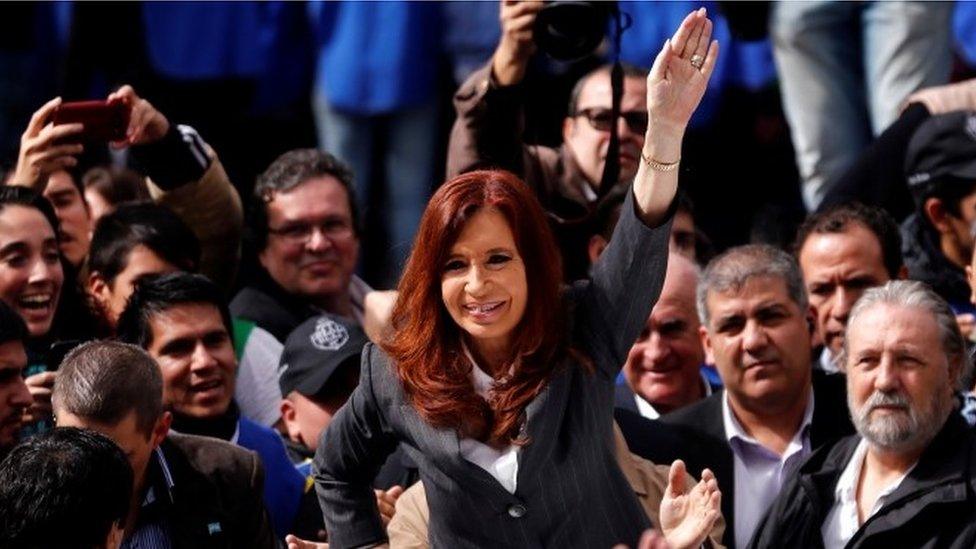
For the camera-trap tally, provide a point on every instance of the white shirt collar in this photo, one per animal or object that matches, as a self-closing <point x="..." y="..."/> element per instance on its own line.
<point x="647" y="410"/>
<point x="829" y="362"/>
<point x="734" y="429"/>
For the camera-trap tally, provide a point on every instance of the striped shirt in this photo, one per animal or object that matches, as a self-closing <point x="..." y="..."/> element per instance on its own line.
<point x="152" y="527"/>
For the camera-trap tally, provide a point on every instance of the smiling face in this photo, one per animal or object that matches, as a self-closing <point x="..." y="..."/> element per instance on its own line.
<point x="837" y="269"/>
<point x="899" y="385"/>
<point x="14" y="396"/>
<point x="759" y="340"/>
<point x="662" y="366"/>
<point x="312" y="245"/>
<point x="30" y="267"/>
<point x="589" y="145"/>
<point x="196" y="357"/>
<point x="483" y="284"/>
<point x="73" y="215"/>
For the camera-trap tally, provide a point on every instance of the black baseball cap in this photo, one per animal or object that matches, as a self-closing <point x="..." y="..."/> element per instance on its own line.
<point x="942" y="151"/>
<point x="315" y="351"/>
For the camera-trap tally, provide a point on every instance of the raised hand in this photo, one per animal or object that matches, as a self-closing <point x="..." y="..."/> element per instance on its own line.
<point x="680" y="73"/>
<point x="40" y="386"/>
<point x="43" y="150"/>
<point x="146" y="124"/>
<point x="687" y="516"/>
<point x="517" y="45"/>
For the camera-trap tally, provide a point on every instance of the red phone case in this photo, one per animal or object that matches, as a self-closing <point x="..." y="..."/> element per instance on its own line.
<point x="103" y="121"/>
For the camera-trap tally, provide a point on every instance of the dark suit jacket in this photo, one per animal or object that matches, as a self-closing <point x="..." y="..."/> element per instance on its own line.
<point x="696" y="434"/>
<point x="570" y="490"/>
<point x="216" y="494"/>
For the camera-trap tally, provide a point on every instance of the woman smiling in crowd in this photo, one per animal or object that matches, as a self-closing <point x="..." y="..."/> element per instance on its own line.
<point x="497" y="382"/>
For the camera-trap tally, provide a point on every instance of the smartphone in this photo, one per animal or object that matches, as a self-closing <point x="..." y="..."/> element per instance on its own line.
<point x="104" y="121"/>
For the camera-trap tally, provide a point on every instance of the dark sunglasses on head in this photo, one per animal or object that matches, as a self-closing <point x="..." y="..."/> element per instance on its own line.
<point x="602" y="119"/>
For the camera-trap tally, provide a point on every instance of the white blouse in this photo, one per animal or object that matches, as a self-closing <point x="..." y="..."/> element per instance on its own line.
<point x="500" y="464"/>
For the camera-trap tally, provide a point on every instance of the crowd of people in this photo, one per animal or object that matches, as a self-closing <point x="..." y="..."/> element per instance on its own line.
<point x="565" y="360"/>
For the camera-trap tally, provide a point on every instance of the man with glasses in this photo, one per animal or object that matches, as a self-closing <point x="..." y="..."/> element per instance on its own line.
<point x="305" y="229"/>
<point x="488" y="131"/>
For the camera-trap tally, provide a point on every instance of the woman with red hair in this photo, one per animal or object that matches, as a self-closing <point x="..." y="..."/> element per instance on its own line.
<point x="497" y="382"/>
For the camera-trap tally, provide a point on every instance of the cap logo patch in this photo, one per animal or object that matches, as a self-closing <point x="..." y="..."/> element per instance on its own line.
<point x="329" y="335"/>
<point x="971" y="127"/>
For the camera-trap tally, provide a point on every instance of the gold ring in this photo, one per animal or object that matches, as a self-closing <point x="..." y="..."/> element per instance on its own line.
<point x="697" y="61"/>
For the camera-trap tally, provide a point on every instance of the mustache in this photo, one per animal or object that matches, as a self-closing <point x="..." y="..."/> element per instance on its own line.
<point x="879" y="399"/>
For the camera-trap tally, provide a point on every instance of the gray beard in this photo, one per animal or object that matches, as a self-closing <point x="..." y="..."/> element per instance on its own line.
<point x="903" y="431"/>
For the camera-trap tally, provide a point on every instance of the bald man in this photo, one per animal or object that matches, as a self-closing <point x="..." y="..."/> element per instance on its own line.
<point x="663" y="367"/>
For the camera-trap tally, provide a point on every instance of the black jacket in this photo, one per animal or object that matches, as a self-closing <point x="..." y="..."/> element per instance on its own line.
<point x="216" y="498"/>
<point x="935" y="506"/>
<point x="696" y="434"/>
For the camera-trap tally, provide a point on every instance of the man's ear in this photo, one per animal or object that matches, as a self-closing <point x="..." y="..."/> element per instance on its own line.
<point x="935" y="211"/>
<point x="595" y="247"/>
<point x="161" y="429"/>
<point x="569" y="126"/>
<point x="99" y="289"/>
<point x="706" y="344"/>
<point x="288" y="418"/>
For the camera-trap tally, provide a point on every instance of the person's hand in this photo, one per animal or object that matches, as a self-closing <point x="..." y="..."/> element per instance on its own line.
<point x="295" y="542"/>
<point x="675" y="85"/>
<point x="386" y="501"/>
<point x="40" y="387"/>
<point x="516" y="46"/>
<point x="43" y="150"/>
<point x="146" y="124"/>
<point x="960" y="96"/>
<point x="967" y="325"/>
<point x="649" y="540"/>
<point x="377" y="309"/>
<point x="687" y="516"/>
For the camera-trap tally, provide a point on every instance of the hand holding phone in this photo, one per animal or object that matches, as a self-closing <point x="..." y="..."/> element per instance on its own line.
<point x="102" y="121"/>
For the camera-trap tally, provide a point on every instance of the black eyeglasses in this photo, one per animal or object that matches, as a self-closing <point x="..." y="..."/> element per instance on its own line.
<point x="602" y="119"/>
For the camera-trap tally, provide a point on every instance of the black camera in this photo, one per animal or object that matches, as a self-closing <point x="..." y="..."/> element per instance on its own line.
<point x="568" y="30"/>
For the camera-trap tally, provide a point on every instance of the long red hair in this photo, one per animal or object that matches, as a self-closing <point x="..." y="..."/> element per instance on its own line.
<point x="426" y="343"/>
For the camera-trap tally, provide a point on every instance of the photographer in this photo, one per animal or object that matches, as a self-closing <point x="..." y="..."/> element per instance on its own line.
<point x="488" y="129"/>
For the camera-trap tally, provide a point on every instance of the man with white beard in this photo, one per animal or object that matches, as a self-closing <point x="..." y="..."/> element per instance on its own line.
<point x="908" y="478"/>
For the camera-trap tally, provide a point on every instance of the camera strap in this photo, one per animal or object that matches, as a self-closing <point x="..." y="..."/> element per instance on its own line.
<point x="611" y="166"/>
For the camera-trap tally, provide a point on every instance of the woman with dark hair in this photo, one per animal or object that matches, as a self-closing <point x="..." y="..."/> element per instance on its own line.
<point x="498" y="383"/>
<point x="33" y="275"/>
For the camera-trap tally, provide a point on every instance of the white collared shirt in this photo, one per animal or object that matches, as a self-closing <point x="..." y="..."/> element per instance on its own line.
<point x="760" y="472"/>
<point x="842" y="521"/>
<point x="828" y="362"/>
<point x="647" y="409"/>
<point x="501" y="464"/>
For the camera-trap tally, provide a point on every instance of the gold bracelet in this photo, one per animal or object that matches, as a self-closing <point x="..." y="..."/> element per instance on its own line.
<point x="660" y="166"/>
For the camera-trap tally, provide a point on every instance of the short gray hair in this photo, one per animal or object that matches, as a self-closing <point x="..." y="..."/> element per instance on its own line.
<point x="731" y="270"/>
<point x="917" y="295"/>
<point x="103" y="381"/>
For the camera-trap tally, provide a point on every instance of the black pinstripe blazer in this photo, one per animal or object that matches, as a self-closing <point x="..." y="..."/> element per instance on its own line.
<point x="570" y="491"/>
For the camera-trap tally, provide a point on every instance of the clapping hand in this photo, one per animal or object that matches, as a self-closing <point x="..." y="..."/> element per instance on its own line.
<point x="687" y="516"/>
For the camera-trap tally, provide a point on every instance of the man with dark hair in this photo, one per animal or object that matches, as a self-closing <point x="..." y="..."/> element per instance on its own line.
<point x="938" y="238"/>
<point x="144" y="239"/>
<point x="188" y="491"/>
<point x="907" y="478"/>
<point x="488" y="132"/>
<point x="182" y="321"/>
<point x="305" y="227"/>
<point x="67" y="488"/>
<point x="773" y="412"/>
<point x="842" y="252"/>
<point x="15" y="398"/>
